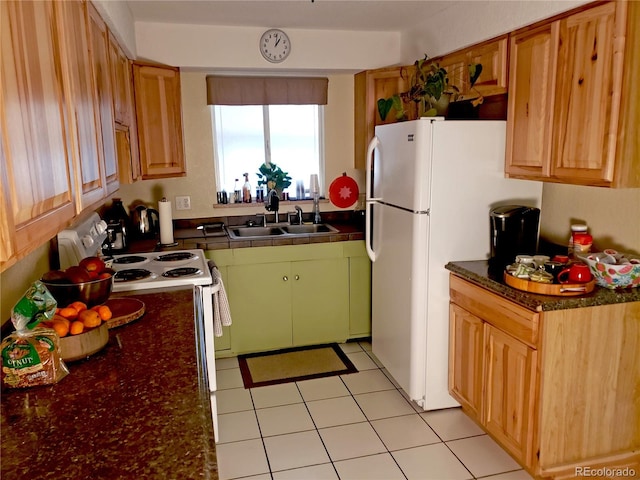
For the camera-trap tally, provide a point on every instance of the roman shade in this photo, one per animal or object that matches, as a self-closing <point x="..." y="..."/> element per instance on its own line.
<point x="233" y="90"/>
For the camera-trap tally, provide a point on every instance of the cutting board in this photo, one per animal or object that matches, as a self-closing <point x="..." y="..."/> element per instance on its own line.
<point x="125" y="310"/>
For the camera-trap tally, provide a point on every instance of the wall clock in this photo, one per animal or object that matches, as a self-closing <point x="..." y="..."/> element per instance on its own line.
<point x="275" y="45"/>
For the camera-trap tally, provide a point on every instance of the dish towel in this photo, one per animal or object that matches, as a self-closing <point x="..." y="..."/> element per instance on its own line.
<point x="221" y="310"/>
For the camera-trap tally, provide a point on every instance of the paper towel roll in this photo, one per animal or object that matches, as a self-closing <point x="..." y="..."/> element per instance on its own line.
<point x="166" y="222"/>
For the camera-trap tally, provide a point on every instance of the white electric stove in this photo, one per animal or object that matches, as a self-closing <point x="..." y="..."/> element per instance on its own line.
<point x="149" y="271"/>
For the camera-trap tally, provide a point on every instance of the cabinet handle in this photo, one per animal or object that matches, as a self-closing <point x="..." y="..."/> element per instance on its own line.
<point x="285" y="278"/>
<point x="297" y="277"/>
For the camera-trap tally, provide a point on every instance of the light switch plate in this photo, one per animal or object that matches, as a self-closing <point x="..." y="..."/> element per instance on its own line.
<point x="183" y="202"/>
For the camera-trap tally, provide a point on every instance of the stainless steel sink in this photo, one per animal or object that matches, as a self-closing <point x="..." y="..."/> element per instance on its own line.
<point x="309" y="229"/>
<point x="279" y="230"/>
<point x="252" y="232"/>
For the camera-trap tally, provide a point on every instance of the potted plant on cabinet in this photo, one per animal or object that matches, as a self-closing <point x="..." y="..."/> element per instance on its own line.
<point x="430" y="91"/>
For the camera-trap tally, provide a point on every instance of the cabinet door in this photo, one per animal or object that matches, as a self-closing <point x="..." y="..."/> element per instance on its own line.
<point x="532" y="76"/>
<point x="260" y="300"/>
<point x="159" y="120"/>
<point x="35" y="168"/>
<point x="100" y="51"/>
<point x="587" y="97"/>
<point x="465" y="359"/>
<point x="359" y="297"/>
<point x="83" y="106"/>
<point x="510" y="389"/>
<point x="125" y="117"/>
<point x="320" y="301"/>
<point x="370" y="86"/>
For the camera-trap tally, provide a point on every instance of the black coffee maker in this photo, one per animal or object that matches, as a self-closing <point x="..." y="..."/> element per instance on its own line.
<point x="514" y="231"/>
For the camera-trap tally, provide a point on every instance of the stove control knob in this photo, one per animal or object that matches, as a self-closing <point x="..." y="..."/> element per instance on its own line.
<point x="101" y="227"/>
<point x="87" y="241"/>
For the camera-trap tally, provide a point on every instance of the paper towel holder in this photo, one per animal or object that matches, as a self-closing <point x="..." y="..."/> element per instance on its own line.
<point x="164" y="207"/>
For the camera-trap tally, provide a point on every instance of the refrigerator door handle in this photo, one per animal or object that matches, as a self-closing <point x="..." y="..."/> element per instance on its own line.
<point x="369" y="201"/>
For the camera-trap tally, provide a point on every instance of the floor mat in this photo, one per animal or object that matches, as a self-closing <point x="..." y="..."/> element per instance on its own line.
<point x="293" y="364"/>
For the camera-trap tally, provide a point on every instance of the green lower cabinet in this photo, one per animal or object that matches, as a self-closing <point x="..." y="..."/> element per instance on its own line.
<point x="286" y="296"/>
<point x="260" y="300"/>
<point x="320" y="301"/>
<point x="359" y="297"/>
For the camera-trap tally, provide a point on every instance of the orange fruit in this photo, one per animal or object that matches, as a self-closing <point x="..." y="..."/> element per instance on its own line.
<point x="61" y="328"/>
<point x="79" y="306"/>
<point x="76" y="328"/>
<point x="104" y="312"/>
<point x="69" y="312"/>
<point x="90" y="318"/>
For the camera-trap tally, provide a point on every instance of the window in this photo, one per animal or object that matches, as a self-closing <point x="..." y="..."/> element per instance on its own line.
<point x="289" y="136"/>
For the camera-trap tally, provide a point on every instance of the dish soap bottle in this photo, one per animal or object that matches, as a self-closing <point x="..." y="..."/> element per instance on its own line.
<point x="246" y="189"/>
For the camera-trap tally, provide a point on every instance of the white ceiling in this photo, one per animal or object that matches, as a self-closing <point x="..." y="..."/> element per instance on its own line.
<point x="358" y="15"/>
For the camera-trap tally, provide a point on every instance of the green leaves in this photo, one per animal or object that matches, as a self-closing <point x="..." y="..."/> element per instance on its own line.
<point x="384" y="105"/>
<point x="272" y="173"/>
<point x="474" y="72"/>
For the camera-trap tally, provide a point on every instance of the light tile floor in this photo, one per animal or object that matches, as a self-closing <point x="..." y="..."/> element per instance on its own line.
<point x="352" y="427"/>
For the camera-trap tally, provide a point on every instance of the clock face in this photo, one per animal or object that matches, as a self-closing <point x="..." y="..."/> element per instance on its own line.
<point x="275" y="45"/>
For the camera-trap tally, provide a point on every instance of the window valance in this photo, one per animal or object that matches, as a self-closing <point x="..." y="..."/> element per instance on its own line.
<point x="234" y="90"/>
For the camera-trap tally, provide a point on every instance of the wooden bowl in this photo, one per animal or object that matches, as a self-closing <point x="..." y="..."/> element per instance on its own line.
<point x="77" y="347"/>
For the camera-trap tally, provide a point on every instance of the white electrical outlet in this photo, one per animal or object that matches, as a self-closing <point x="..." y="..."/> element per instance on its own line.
<point x="183" y="202"/>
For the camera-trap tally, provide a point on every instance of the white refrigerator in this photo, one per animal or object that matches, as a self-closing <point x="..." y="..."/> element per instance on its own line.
<point x="430" y="186"/>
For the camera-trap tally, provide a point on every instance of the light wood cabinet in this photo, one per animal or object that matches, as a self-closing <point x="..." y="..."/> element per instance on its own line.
<point x="100" y="54"/>
<point x="492" y="55"/>
<point x="37" y="185"/>
<point x="159" y="120"/>
<point x="573" y="103"/>
<point x="82" y="106"/>
<point x="509" y="382"/>
<point x="124" y="114"/>
<point x="548" y="386"/>
<point x="369" y="86"/>
<point x="466" y="359"/>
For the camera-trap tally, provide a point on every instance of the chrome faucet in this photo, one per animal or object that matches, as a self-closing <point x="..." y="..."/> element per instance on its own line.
<point x="272" y="203"/>
<point x="299" y="214"/>
<point x="316" y="208"/>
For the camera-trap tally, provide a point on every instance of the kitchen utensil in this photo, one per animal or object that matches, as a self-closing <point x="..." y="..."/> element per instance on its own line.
<point x="576" y="273"/>
<point x="145" y="222"/>
<point x="622" y="275"/>
<point x="125" y="310"/>
<point x="343" y="191"/>
<point x="560" y="290"/>
<point x="77" y="347"/>
<point x="514" y="231"/>
<point x="554" y="268"/>
<point x="92" y="293"/>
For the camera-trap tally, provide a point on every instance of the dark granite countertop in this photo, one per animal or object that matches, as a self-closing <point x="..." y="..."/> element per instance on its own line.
<point x="478" y="272"/>
<point x="132" y="410"/>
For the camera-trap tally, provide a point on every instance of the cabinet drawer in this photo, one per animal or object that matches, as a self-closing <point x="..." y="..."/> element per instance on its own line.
<point x="496" y="310"/>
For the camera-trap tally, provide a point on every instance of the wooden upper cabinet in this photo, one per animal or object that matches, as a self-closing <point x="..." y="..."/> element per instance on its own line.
<point x="83" y="107"/>
<point x="36" y="177"/>
<point x="369" y="86"/>
<point x="573" y="103"/>
<point x="492" y="55"/>
<point x="125" y="115"/>
<point x="100" y="53"/>
<point x="159" y="120"/>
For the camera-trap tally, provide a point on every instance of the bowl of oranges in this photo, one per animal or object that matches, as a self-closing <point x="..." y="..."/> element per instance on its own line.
<point x="83" y="330"/>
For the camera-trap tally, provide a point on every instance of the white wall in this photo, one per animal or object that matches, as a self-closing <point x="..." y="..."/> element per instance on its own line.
<point x="199" y="183"/>
<point x="465" y="23"/>
<point x="119" y="19"/>
<point x="236" y="48"/>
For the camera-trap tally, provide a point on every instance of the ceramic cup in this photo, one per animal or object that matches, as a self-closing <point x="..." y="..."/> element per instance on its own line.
<point x="554" y="268"/>
<point x="576" y="273"/>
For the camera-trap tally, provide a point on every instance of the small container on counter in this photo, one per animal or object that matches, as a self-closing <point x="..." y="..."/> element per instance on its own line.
<point x="576" y="230"/>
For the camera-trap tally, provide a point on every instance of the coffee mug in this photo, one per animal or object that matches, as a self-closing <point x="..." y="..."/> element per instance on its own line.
<point x="554" y="268"/>
<point x="576" y="273"/>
